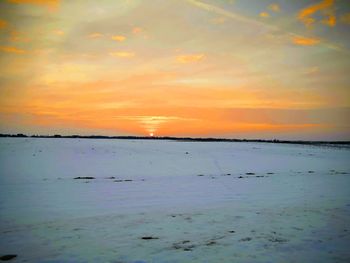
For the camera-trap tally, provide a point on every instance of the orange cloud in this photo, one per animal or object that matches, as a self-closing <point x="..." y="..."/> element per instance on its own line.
<point x="95" y="35"/>
<point x="3" y="23"/>
<point x="137" y="30"/>
<point x="118" y="38"/>
<point x="58" y="32"/>
<point x="345" y="18"/>
<point x="51" y="4"/>
<point x="18" y="37"/>
<point x="275" y="7"/>
<point x="122" y="54"/>
<point x="326" y="7"/>
<point x="190" y="58"/>
<point x="15" y="50"/>
<point x="304" y="41"/>
<point x="264" y="14"/>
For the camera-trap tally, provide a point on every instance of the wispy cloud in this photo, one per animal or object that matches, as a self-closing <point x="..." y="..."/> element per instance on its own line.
<point x="118" y="38"/>
<point x="137" y="30"/>
<point x="52" y="5"/>
<point x="228" y="14"/>
<point x="218" y="20"/>
<point x="264" y="15"/>
<point x="345" y="18"/>
<point x="311" y="70"/>
<point x="18" y="37"/>
<point x="3" y="23"/>
<point x="325" y="7"/>
<point x="14" y="50"/>
<point x="190" y="58"/>
<point x="95" y="35"/>
<point x="305" y="41"/>
<point x="122" y="54"/>
<point x="275" y="7"/>
<point x="303" y="15"/>
<point x="58" y="32"/>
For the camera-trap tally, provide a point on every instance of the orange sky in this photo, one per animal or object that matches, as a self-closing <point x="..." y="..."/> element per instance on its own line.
<point x="245" y="69"/>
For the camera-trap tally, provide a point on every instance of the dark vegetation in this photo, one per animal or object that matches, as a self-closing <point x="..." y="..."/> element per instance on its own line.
<point x="188" y="139"/>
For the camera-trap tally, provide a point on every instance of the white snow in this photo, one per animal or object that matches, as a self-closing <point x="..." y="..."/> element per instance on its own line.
<point x="295" y="207"/>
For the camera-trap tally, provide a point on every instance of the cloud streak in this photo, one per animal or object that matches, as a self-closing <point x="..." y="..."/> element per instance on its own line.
<point x="3" y="24"/>
<point x="52" y="5"/>
<point x="118" y="38"/>
<point x="304" y="41"/>
<point x="122" y="54"/>
<point x="190" y="58"/>
<point x="13" y="50"/>
<point x="325" y="7"/>
<point x="261" y="24"/>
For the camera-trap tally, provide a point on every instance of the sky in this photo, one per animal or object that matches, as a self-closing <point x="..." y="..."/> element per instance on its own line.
<point x="200" y="68"/>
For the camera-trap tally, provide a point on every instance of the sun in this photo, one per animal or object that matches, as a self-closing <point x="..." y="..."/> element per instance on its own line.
<point x="151" y="134"/>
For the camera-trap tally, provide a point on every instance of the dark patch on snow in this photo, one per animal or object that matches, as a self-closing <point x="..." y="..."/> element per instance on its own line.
<point x="127" y="180"/>
<point x="8" y="257"/>
<point x="297" y="228"/>
<point x="250" y="173"/>
<point x="278" y="239"/>
<point x="118" y="181"/>
<point x="311" y="172"/>
<point x="270" y="173"/>
<point x="184" y="245"/>
<point x="85" y="177"/>
<point x="245" y="239"/>
<point x="111" y="177"/>
<point x="200" y="175"/>
<point x="149" y="237"/>
<point x="210" y="243"/>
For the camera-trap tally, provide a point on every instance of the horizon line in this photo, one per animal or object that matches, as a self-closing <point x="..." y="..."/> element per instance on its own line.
<point x="78" y="136"/>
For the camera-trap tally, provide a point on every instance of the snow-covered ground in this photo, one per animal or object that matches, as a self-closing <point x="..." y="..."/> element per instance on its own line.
<point x="172" y="201"/>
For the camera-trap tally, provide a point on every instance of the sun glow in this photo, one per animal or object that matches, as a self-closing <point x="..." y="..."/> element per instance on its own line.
<point x="151" y="134"/>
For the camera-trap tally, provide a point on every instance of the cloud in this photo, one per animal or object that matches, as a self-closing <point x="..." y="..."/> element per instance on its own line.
<point x="325" y="7"/>
<point x="228" y="14"/>
<point x="345" y="18"/>
<point x="219" y="20"/>
<point x="275" y="7"/>
<point x="3" y="23"/>
<point x="122" y="54"/>
<point x="190" y="58"/>
<point x="95" y="35"/>
<point x="15" y="50"/>
<point x="311" y="70"/>
<point x="50" y="4"/>
<point x="305" y="41"/>
<point x="137" y="30"/>
<point x="259" y="24"/>
<point x="58" y="32"/>
<point x="118" y="38"/>
<point x="264" y="14"/>
<point x="18" y="37"/>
